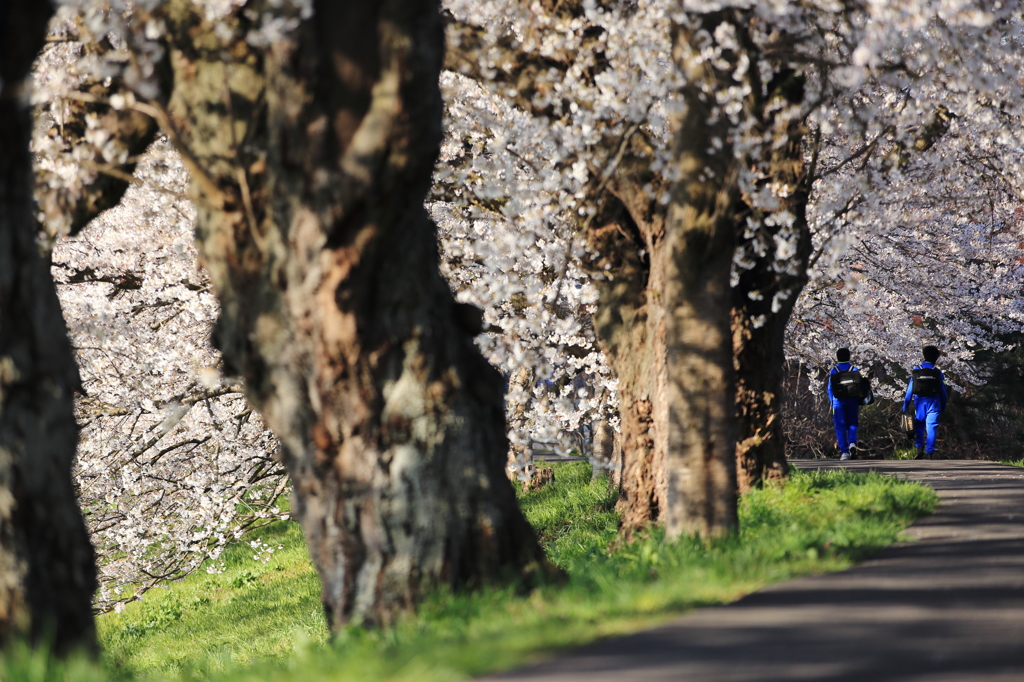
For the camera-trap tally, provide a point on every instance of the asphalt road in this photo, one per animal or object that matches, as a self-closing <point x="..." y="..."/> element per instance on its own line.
<point x="947" y="606"/>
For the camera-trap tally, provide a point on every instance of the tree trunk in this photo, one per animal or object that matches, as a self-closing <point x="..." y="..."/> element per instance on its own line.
<point x="520" y="455"/>
<point x="333" y="310"/>
<point x="47" y="571"/>
<point x="700" y="238"/>
<point x="604" y="455"/>
<point x="759" y="358"/>
<point x="627" y="242"/>
<point x="637" y="266"/>
<point x="630" y="326"/>
<point x="765" y="294"/>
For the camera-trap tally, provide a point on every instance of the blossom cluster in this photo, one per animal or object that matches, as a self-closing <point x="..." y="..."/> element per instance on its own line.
<point x="515" y="185"/>
<point x="172" y="463"/>
<point x="916" y="212"/>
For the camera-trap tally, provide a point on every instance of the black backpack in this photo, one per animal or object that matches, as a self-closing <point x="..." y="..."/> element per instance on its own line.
<point x="927" y="382"/>
<point x="849" y="384"/>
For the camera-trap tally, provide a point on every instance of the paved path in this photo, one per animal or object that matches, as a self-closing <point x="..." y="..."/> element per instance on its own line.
<point x="948" y="606"/>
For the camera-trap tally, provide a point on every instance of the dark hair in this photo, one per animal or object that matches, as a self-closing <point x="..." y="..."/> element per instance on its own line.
<point x="931" y="353"/>
<point x="843" y="355"/>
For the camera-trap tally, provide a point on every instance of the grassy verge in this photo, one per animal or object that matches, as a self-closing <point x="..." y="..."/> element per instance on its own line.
<point x="252" y="611"/>
<point x="261" y="621"/>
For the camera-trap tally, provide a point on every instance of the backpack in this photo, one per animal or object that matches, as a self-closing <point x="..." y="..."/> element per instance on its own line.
<point x="848" y="384"/>
<point x="927" y="382"/>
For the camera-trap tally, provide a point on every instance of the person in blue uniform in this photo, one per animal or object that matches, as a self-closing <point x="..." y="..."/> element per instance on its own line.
<point x="845" y="409"/>
<point x="927" y="393"/>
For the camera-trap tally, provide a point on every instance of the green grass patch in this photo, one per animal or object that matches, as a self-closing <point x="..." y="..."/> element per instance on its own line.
<point x="262" y="621"/>
<point x="252" y="611"/>
<point x="903" y="453"/>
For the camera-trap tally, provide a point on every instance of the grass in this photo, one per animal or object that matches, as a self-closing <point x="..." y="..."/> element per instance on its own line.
<point x="904" y="453"/>
<point x="251" y="611"/>
<point x="259" y="621"/>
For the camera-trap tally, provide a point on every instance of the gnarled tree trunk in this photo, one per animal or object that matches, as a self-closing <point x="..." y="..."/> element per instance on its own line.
<point x="665" y="318"/>
<point x="333" y="310"/>
<point x="47" y="570"/>
<point x="761" y="300"/>
<point x="629" y="324"/>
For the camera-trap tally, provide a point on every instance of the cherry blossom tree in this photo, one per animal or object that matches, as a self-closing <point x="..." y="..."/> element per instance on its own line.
<point x="589" y="96"/>
<point x="617" y="88"/>
<point x="917" y="223"/>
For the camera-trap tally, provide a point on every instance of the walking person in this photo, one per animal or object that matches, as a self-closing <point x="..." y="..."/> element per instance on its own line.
<point x="846" y="391"/>
<point x="927" y="391"/>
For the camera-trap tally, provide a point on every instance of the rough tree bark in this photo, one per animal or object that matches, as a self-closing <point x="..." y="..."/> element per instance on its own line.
<point x="627" y="239"/>
<point x="47" y="571"/>
<point x="664" y="320"/>
<point x="333" y="309"/>
<point x="762" y="300"/>
<point x="759" y="351"/>
<point x="699" y="243"/>
<point x="759" y="360"/>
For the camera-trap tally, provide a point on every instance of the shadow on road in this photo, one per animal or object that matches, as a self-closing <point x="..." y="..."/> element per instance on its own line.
<point x="947" y="605"/>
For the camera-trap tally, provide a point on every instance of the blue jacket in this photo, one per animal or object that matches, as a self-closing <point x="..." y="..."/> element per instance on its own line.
<point x="925" y="405"/>
<point x="836" y="402"/>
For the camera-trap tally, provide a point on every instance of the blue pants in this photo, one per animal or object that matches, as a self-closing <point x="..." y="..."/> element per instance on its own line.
<point x="925" y="430"/>
<point x="845" y="419"/>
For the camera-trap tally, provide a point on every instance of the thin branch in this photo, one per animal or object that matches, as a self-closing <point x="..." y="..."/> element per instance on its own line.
<point x="155" y="110"/>
<point x="206" y="184"/>
<point x="114" y="172"/>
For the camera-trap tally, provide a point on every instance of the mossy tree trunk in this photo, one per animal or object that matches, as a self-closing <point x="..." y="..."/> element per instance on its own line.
<point x="47" y="569"/>
<point x="310" y="166"/>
